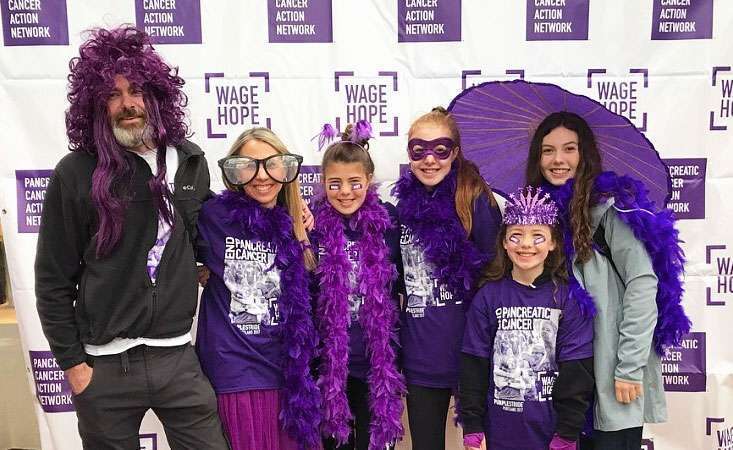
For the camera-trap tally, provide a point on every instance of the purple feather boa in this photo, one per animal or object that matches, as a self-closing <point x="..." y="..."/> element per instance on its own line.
<point x="300" y="409"/>
<point x="660" y="238"/>
<point x="377" y="316"/>
<point x="432" y="218"/>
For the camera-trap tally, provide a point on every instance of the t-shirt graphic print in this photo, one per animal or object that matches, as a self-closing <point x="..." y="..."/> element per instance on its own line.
<point x="524" y="355"/>
<point x="254" y="283"/>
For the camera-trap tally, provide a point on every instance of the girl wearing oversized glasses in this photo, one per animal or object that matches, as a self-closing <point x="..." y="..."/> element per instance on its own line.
<point x="256" y="336"/>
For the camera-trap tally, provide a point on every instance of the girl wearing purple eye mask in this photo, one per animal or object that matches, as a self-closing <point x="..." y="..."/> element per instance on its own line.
<point x="449" y="221"/>
<point x="358" y="304"/>
<point x="527" y="365"/>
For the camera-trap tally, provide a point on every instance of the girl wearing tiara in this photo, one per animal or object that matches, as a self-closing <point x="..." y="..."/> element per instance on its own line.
<point x="358" y="304"/>
<point x="527" y="366"/>
<point x="256" y="338"/>
<point x="449" y="221"/>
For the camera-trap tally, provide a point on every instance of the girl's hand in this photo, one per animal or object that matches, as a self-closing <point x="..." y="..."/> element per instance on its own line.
<point x="203" y="275"/>
<point x="308" y="220"/>
<point x="482" y="447"/>
<point x="627" y="392"/>
<point x="470" y="441"/>
<point x="559" y="443"/>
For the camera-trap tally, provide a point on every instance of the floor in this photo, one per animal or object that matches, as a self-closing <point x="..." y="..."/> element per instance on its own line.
<point x="18" y="426"/>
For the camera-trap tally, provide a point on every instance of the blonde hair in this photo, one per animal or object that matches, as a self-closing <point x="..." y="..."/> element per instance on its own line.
<point x="290" y="192"/>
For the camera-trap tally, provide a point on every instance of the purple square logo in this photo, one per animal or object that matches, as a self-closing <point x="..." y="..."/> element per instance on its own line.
<point x="474" y="77"/>
<point x="300" y="21"/>
<point x="170" y="21"/>
<point x="718" y="256"/>
<point x="368" y="98"/>
<point x="149" y="441"/>
<point x="310" y="182"/>
<point x="647" y="444"/>
<point x="688" y="187"/>
<point x="722" y="433"/>
<point x="237" y="103"/>
<point x="684" y="367"/>
<point x="723" y="111"/>
<point x="31" y="188"/>
<point x="686" y="19"/>
<point x="34" y="22"/>
<point x="428" y="20"/>
<point x="52" y="389"/>
<point x="621" y="95"/>
<point x="557" y="20"/>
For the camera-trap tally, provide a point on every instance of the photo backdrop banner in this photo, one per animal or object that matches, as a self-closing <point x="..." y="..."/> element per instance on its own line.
<point x="294" y="64"/>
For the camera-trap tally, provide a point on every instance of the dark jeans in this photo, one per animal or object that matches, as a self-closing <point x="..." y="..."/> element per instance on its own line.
<point x="167" y="380"/>
<point x="357" y="392"/>
<point x="427" y="409"/>
<point x="626" y="439"/>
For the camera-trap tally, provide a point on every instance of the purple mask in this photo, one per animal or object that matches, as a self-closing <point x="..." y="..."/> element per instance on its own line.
<point x="440" y="148"/>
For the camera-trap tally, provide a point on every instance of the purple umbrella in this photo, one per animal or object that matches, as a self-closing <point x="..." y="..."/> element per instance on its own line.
<point x="497" y="120"/>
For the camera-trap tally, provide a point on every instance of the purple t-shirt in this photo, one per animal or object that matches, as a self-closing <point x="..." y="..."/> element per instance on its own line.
<point x="433" y="319"/>
<point x="524" y="332"/>
<point x="358" y="355"/>
<point x="238" y="338"/>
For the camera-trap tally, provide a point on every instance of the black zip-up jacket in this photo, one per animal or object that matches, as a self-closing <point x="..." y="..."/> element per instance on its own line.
<point x="85" y="300"/>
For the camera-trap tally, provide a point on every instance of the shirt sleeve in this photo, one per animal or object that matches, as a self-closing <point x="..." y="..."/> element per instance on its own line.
<point x="639" y="306"/>
<point x="472" y="389"/>
<point x="203" y="255"/>
<point x="393" y="244"/>
<point x="477" y="334"/>
<point x="62" y="239"/>
<point x="392" y="237"/>
<point x="571" y="396"/>
<point x="486" y="222"/>
<point x="575" y="331"/>
<point x="204" y="187"/>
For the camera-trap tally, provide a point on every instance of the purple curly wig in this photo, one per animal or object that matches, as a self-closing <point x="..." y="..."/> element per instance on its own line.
<point x="124" y="51"/>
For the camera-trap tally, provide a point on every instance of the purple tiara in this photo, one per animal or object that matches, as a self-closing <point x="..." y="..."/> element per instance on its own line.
<point x="530" y="206"/>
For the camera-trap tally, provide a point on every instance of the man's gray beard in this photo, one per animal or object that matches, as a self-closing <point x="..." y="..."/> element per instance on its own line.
<point x="132" y="137"/>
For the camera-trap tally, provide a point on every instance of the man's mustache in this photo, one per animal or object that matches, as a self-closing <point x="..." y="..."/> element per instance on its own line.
<point x="129" y="113"/>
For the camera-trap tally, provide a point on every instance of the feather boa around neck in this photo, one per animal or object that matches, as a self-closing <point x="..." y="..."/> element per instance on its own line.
<point x="432" y="218"/>
<point x="377" y="317"/>
<point x="300" y="408"/>
<point x="656" y="230"/>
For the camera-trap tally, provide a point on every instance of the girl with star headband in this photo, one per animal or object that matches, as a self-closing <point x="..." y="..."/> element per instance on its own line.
<point x="527" y="361"/>
<point x="449" y="221"/>
<point x="358" y="305"/>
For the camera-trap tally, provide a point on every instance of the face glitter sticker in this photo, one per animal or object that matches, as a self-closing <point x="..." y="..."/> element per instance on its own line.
<point x="337" y="186"/>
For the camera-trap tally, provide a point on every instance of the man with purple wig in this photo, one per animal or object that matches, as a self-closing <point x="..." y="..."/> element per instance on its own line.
<point x="116" y="281"/>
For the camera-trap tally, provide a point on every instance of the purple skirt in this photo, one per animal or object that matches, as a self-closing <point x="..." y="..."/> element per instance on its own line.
<point x="250" y="420"/>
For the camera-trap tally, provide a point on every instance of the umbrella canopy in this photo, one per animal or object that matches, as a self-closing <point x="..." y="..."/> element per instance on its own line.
<point x="497" y="120"/>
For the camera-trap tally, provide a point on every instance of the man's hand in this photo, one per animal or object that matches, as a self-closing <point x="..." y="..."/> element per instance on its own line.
<point x="627" y="392"/>
<point x="203" y="274"/>
<point x="308" y="220"/>
<point x="79" y="377"/>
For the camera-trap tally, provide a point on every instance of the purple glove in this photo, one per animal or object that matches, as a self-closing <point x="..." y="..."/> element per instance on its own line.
<point x="473" y="440"/>
<point x="558" y="443"/>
